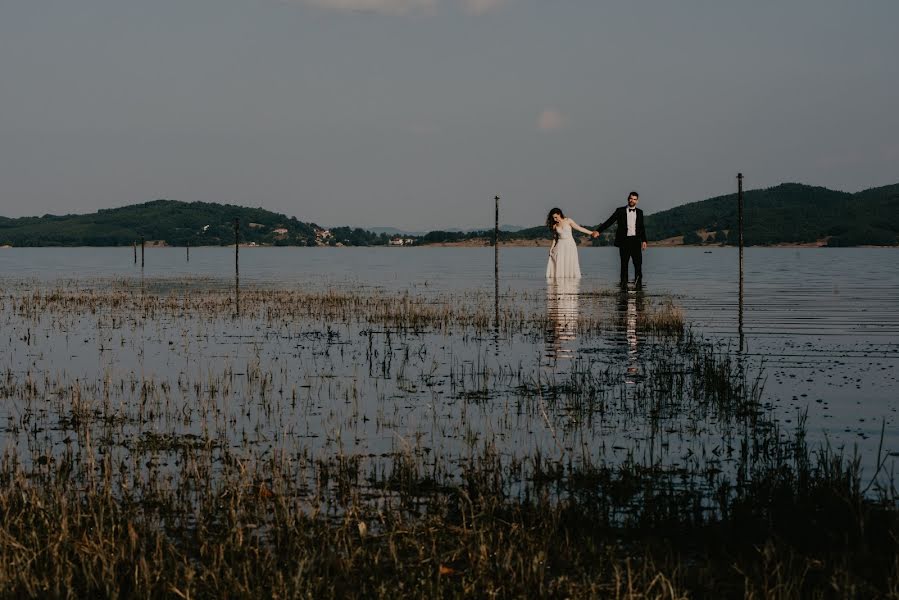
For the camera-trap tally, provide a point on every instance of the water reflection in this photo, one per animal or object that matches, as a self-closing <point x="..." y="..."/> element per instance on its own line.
<point x="631" y="304"/>
<point x="562" y="313"/>
<point x="740" y="316"/>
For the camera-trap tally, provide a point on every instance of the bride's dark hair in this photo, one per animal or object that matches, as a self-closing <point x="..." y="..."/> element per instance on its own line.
<point x="549" y="218"/>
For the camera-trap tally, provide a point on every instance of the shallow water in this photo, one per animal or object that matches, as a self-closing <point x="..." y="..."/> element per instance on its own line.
<point x="821" y="324"/>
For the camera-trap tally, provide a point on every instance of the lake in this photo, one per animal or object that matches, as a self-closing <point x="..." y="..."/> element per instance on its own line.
<point x="820" y="326"/>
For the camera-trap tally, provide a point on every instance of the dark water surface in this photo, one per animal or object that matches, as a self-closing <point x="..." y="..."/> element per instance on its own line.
<point x="821" y="324"/>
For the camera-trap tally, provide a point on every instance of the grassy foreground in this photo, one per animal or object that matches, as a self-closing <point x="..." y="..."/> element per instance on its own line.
<point x="799" y="528"/>
<point x="151" y="488"/>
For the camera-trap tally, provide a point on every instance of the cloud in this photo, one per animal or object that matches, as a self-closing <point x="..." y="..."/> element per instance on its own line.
<point x="550" y="120"/>
<point x="392" y="7"/>
<point x="479" y="7"/>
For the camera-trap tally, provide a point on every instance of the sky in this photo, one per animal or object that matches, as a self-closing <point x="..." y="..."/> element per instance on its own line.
<point x="416" y="113"/>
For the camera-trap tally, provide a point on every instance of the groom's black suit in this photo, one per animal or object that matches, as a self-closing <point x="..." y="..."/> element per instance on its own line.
<point x="629" y="247"/>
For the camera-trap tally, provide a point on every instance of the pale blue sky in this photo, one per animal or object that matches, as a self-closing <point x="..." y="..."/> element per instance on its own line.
<point x="415" y="113"/>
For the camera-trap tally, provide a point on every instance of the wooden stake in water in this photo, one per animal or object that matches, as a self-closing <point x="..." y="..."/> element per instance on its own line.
<point x="134" y="247"/>
<point x="740" y="242"/>
<point x="142" y="245"/>
<point x="237" y="266"/>
<point x="496" y="263"/>
<point x="740" y="220"/>
<point x="188" y="251"/>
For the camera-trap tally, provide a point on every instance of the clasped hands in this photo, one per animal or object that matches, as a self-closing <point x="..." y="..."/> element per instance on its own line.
<point x="595" y="234"/>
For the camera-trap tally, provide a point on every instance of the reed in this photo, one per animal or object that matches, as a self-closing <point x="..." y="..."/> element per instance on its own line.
<point x="362" y="443"/>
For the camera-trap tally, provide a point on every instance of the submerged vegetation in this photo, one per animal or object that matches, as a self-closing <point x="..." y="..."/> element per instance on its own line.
<point x="178" y="439"/>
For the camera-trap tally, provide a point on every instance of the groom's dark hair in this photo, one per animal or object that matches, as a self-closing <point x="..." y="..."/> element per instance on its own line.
<point x="633" y="194"/>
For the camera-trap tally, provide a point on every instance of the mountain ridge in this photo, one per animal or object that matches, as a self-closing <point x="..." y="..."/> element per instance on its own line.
<point x="789" y="213"/>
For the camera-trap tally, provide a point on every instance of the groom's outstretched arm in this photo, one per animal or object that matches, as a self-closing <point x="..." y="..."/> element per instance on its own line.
<point x="608" y="222"/>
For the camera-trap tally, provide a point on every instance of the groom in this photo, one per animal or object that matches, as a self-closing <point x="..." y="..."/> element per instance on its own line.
<point x="630" y="236"/>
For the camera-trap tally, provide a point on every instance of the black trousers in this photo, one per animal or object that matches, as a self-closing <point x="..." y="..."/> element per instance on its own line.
<point x="630" y="250"/>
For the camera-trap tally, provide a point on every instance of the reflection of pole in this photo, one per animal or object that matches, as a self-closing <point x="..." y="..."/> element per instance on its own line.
<point x="142" y="243"/>
<point x="496" y="264"/>
<point x="740" y="241"/>
<point x="237" y="266"/>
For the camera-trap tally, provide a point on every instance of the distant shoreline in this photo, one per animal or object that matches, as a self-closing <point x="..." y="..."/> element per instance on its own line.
<point x="480" y="244"/>
<point x="666" y="243"/>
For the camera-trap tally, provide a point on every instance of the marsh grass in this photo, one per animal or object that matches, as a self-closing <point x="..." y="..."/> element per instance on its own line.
<point x="643" y="470"/>
<point x="797" y="528"/>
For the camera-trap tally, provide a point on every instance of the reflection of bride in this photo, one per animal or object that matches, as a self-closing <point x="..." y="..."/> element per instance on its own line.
<point x="562" y="311"/>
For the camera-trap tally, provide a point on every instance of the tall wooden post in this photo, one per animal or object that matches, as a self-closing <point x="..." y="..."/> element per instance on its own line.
<point x="740" y="220"/>
<point x="496" y="263"/>
<point x="134" y="247"/>
<point x="740" y="242"/>
<point x="188" y="251"/>
<point x="496" y="238"/>
<point x="237" y="266"/>
<point x="142" y="245"/>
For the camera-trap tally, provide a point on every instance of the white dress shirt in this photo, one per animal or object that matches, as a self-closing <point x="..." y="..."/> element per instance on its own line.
<point x="631" y="221"/>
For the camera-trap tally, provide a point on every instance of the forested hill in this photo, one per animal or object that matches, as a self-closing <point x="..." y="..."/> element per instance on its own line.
<point x="788" y="213"/>
<point x="171" y="222"/>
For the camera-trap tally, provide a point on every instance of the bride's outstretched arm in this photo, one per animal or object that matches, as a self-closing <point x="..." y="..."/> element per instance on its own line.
<point x="579" y="228"/>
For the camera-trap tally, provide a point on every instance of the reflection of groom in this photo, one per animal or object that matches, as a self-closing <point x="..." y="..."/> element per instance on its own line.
<point x="630" y="236"/>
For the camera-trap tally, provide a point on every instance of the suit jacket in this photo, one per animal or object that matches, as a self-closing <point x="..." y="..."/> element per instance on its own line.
<point x="620" y="217"/>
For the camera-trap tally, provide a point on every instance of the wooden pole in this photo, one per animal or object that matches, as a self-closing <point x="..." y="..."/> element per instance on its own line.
<point x="496" y="263"/>
<point x="237" y="266"/>
<point x="740" y="242"/>
<point x="496" y="239"/>
<point x="740" y="220"/>
<point x="142" y="245"/>
<point x="134" y="247"/>
<point x="188" y="251"/>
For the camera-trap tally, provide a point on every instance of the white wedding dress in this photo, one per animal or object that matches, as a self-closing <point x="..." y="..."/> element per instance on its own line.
<point x="563" y="263"/>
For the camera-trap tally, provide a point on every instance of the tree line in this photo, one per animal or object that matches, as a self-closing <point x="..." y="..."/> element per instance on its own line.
<point x="788" y="213"/>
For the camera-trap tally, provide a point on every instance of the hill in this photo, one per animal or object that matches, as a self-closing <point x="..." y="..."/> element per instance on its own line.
<point x="790" y="213"/>
<point x="168" y="221"/>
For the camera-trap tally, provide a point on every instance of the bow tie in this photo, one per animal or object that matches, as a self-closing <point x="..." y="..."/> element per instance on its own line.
<point x="632" y="210"/>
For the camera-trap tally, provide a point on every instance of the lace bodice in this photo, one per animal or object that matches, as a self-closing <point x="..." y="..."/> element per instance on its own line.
<point x="563" y="230"/>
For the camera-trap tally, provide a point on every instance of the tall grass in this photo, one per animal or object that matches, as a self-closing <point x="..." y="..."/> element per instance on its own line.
<point x="368" y="444"/>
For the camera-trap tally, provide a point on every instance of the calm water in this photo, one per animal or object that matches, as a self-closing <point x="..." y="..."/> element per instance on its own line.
<point x="823" y="324"/>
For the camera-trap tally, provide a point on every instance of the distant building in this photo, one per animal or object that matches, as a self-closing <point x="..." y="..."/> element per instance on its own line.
<point x="401" y="242"/>
<point x="256" y="226"/>
<point x="323" y="237"/>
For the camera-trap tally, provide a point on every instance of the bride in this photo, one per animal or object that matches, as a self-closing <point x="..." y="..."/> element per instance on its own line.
<point x="563" y="261"/>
